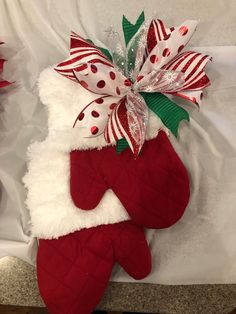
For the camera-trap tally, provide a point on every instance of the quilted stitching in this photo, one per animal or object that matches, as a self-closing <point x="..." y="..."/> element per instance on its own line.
<point x="154" y="189"/>
<point x="91" y="191"/>
<point x="73" y="281"/>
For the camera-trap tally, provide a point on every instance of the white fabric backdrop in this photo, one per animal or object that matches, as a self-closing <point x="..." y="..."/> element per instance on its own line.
<point x="201" y="247"/>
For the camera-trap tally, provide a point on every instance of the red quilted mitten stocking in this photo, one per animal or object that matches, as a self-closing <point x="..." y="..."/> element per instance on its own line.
<point x="154" y="188"/>
<point x="74" y="270"/>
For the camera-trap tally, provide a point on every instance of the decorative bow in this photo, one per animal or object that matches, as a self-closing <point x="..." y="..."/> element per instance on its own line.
<point x="3" y="83"/>
<point x="130" y="80"/>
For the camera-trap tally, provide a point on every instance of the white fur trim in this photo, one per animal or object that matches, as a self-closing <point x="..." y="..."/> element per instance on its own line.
<point x="52" y="210"/>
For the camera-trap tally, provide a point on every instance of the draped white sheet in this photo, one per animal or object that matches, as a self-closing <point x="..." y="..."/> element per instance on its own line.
<point x="201" y="247"/>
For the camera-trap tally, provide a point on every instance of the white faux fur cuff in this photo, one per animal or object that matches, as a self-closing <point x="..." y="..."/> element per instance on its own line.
<point x="52" y="210"/>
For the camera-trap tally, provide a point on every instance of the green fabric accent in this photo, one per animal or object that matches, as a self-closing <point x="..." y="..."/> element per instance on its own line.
<point x="106" y="53"/>
<point x="121" y="145"/>
<point x="129" y="29"/>
<point x="103" y="50"/>
<point x="118" y="60"/>
<point x="89" y="41"/>
<point x="169" y="113"/>
<point x="131" y="53"/>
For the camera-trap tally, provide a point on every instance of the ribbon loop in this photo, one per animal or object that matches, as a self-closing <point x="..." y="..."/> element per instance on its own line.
<point x="151" y="65"/>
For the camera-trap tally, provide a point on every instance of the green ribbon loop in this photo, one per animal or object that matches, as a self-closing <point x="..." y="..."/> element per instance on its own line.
<point x="121" y="145"/>
<point x="106" y="53"/>
<point x="130" y="29"/>
<point x="169" y="113"/>
<point x="103" y="50"/>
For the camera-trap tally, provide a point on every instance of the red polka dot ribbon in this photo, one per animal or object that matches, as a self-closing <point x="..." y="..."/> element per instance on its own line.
<point x="152" y="62"/>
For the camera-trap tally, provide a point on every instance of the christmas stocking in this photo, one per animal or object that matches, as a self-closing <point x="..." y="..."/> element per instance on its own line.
<point x="107" y="168"/>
